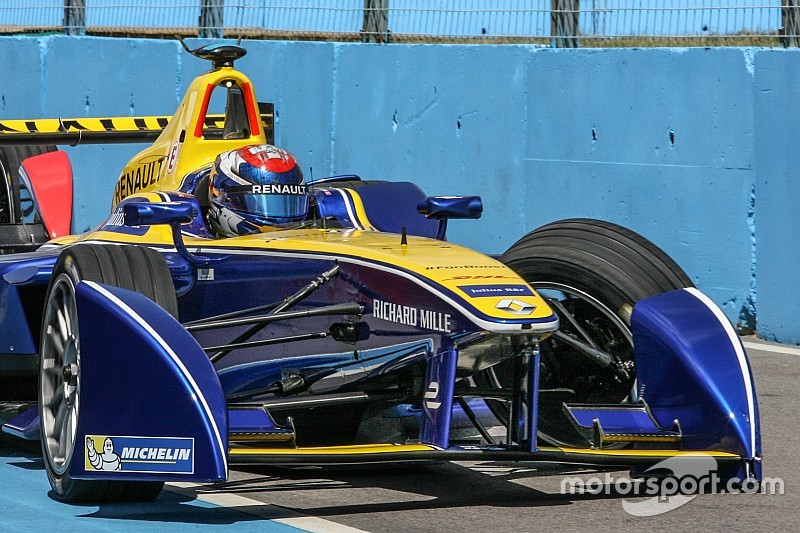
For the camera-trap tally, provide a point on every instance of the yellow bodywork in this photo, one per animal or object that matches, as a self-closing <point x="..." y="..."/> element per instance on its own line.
<point x="182" y="148"/>
<point x="448" y="265"/>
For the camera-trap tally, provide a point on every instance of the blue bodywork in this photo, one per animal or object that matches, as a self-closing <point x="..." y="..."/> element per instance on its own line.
<point x="698" y="378"/>
<point x="692" y="368"/>
<point x="148" y="385"/>
<point x="22" y="273"/>
<point x="125" y="337"/>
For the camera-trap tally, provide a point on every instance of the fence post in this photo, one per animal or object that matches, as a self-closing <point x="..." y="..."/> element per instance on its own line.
<point x="211" y="18"/>
<point x="790" y="23"/>
<point x="75" y="17"/>
<point x="376" y="21"/>
<point x="564" y="18"/>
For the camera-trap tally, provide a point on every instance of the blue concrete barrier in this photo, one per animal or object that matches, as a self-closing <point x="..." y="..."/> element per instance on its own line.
<point x="693" y="148"/>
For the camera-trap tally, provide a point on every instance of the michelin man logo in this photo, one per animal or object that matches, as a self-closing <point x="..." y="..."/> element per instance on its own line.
<point x="108" y="460"/>
<point x="154" y="455"/>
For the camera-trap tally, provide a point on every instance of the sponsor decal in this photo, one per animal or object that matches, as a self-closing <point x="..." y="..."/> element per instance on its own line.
<point x="270" y="157"/>
<point x="459" y="267"/>
<point x="411" y="316"/>
<point x="481" y="291"/>
<point x="477" y="277"/>
<point x="161" y="455"/>
<point x="137" y="179"/>
<point x="431" y="395"/>
<point x="116" y="223"/>
<point x="515" y="307"/>
<point x="269" y="151"/>
<point x="117" y="218"/>
<point x="270" y="188"/>
<point x="173" y="158"/>
<point x="205" y="274"/>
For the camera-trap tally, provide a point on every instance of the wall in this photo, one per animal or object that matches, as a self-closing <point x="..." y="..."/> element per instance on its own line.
<point x="693" y="148"/>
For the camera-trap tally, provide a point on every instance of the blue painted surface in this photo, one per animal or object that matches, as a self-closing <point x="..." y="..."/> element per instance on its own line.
<point x="403" y="197"/>
<point x="437" y="405"/>
<point x="185" y="403"/>
<point x="693" y="148"/>
<point x="691" y="367"/>
<point x="660" y="141"/>
<point x="778" y="194"/>
<point x="27" y="505"/>
<point x="621" y="420"/>
<point x="14" y="330"/>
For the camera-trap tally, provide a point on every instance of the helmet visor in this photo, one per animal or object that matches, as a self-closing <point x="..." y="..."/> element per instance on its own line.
<point x="291" y="204"/>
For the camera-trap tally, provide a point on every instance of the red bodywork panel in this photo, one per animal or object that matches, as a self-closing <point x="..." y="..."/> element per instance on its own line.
<point x="49" y="178"/>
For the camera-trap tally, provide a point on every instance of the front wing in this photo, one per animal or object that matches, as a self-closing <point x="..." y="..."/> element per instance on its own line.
<point x="148" y="386"/>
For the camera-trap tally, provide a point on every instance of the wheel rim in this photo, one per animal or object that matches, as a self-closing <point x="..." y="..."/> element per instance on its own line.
<point x="591" y="326"/>
<point x="6" y="197"/>
<point x="573" y="375"/>
<point x="576" y="359"/>
<point x="59" y="390"/>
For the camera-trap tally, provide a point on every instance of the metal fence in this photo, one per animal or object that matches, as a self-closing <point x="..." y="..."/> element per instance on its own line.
<point x="562" y="23"/>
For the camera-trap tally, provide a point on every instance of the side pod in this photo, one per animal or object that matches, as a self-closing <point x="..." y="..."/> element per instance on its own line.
<point x="692" y="368"/>
<point x="148" y="387"/>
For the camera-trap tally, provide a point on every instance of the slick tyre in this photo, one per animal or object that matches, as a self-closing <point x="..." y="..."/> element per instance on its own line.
<point x="592" y="273"/>
<point x="135" y="268"/>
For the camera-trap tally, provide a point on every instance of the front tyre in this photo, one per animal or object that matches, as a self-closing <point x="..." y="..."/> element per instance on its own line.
<point x="129" y="267"/>
<point x="592" y="273"/>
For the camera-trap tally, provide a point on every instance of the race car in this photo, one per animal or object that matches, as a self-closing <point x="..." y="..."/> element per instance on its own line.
<point x="229" y="312"/>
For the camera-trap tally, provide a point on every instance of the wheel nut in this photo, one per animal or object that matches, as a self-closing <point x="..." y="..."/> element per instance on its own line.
<point x="71" y="374"/>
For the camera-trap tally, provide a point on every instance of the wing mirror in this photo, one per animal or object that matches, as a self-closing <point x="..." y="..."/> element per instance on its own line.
<point x="147" y="214"/>
<point x="170" y="213"/>
<point x="443" y="208"/>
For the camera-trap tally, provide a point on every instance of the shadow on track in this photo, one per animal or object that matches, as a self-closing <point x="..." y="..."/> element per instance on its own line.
<point x="22" y="469"/>
<point x="328" y="491"/>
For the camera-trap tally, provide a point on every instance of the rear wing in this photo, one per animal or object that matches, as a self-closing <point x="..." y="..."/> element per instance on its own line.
<point x="109" y="130"/>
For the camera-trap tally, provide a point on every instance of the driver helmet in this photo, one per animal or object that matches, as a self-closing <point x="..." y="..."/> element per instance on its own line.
<point x="255" y="189"/>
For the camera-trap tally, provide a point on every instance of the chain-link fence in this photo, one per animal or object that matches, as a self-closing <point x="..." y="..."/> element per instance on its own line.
<point x="562" y="23"/>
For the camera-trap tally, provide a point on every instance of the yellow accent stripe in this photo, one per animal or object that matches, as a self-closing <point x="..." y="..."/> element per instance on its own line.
<point x="640" y="453"/>
<point x="366" y="449"/>
<point x="641" y="438"/>
<point x="334" y="450"/>
<point x="361" y="213"/>
<point x="260" y="437"/>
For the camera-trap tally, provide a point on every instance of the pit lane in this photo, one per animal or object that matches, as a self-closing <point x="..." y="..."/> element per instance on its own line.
<point x="466" y="496"/>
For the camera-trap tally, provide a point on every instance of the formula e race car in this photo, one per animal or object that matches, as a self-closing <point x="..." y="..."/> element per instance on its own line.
<point x="166" y="349"/>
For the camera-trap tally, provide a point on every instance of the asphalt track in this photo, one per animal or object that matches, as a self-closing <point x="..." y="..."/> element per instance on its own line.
<point x="438" y="497"/>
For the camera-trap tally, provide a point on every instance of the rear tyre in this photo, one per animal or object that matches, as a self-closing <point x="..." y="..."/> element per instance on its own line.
<point x="130" y="267"/>
<point x="592" y="273"/>
<point x="10" y="159"/>
<point x="16" y="236"/>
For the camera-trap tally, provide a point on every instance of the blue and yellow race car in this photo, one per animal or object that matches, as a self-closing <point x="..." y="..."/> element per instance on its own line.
<point x="229" y="312"/>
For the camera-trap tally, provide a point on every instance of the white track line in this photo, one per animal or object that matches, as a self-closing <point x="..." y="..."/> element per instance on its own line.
<point x="266" y="511"/>
<point x="774" y="348"/>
